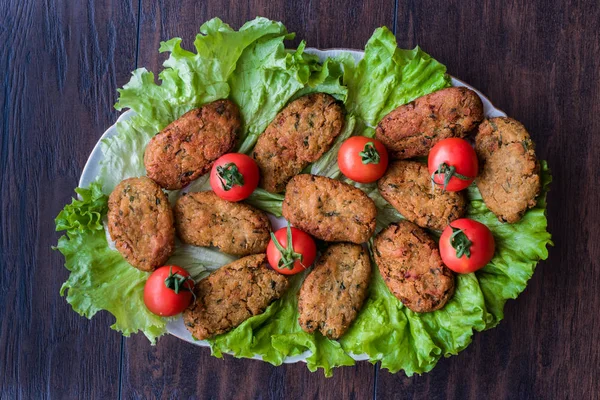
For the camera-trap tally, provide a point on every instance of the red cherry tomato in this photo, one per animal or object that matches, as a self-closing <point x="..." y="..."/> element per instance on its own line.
<point x="168" y="291"/>
<point x="452" y="163"/>
<point x="291" y="250"/>
<point x="363" y="159"/>
<point x="234" y="176"/>
<point x="466" y="246"/>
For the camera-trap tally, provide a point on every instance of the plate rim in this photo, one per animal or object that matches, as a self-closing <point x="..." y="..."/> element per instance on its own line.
<point x="91" y="170"/>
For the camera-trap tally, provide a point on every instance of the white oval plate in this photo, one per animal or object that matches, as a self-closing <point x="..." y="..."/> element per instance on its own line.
<point x="92" y="169"/>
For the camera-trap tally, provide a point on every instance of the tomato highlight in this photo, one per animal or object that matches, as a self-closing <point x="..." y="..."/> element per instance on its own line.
<point x="452" y="164"/>
<point x="168" y="291"/>
<point x="466" y="246"/>
<point x="291" y="251"/>
<point x="363" y="159"/>
<point x="234" y="177"/>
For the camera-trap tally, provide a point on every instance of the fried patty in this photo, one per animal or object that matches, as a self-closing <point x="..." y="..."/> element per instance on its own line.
<point x="329" y="209"/>
<point x="406" y="185"/>
<point x="204" y="219"/>
<point x="413" y="129"/>
<point x="334" y="291"/>
<point x="140" y="221"/>
<point x="231" y="295"/>
<point x="188" y="146"/>
<point x="299" y="135"/>
<point x="509" y="177"/>
<point x="409" y="262"/>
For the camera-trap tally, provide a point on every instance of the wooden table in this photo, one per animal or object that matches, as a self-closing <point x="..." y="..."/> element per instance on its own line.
<point x="60" y="62"/>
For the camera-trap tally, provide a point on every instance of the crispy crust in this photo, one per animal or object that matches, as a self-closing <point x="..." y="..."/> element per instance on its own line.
<point x="188" y="146"/>
<point x="329" y="209"/>
<point x="204" y="219"/>
<point x="140" y="221"/>
<point x="300" y="134"/>
<point x="407" y="187"/>
<point x="413" y="129"/>
<point x="231" y="295"/>
<point x="509" y="179"/>
<point x="410" y="264"/>
<point x="334" y="291"/>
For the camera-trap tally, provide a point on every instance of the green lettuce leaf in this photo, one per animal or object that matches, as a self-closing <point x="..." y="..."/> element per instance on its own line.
<point x="100" y="279"/>
<point x="388" y="77"/>
<point x="518" y="249"/>
<point x="401" y="339"/>
<point x="262" y="92"/>
<point x="266" y="201"/>
<point x="198" y="261"/>
<point x="245" y="65"/>
<point x="276" y="334"/>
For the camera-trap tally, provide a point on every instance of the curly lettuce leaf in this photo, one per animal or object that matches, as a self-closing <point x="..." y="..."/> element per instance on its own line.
<point x="190" y="79"/>
<point x="388" y="77"/>
<point x="518" y="249"/>
<point x="326" y="78"/>
<point x="276" y="334"/>
<point x="100" y="279"/>
<point x="227" y="63"/>
<point x="266" y="201"/>
<point x="401" y="339"/>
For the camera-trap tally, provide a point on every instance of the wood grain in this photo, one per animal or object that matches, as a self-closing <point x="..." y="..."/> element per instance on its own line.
<point x="539" y="62"/>
<point x="321" y="24"/>
<point x="59" y="63"/>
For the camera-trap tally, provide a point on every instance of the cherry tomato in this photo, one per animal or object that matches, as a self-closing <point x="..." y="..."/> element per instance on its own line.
<point x="453" y="164"/>
<point x="466" y="246"/>
<point x="291" y="250"/>
<point x="363" y="159"/>
<point x="168" y="291"/>
<point x="234" y="176"/>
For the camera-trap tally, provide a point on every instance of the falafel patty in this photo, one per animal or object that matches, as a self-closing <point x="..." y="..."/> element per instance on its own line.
<point x="509" y="178"/>
<point x="231" y="295"/>
<point x="300" y="134"/>
<point x="204" y="219"/>
<point x="406" y="185"/>
<point x="328" y="209"/>
<point x="409" y="262"/>
<point x="334" y="291"/>
<point x="188" y="146"/>
<point x="411" y="130"/>
<point x="140" y="221"/>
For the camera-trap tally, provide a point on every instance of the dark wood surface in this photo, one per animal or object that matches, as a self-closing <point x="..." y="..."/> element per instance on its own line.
<point x="59" y="66"/>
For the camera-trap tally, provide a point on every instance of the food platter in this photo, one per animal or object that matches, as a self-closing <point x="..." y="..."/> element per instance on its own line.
<point x="92" y="169"/>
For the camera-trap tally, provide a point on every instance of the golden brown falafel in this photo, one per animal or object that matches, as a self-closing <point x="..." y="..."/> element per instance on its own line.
<point x="204" y="219"/>
<point x="411" y="130"/>
<point x="140" y="221"/>
<point x="300" y="134"/>
<point x="188" y="146"/>
<point x="509" y="178"/>
<point x="406" y="185"/>
<point x="329" y="209"/>
<point x="334" y="291"/>
<point x="409" y="262"/>
<point x="231" y="295"/>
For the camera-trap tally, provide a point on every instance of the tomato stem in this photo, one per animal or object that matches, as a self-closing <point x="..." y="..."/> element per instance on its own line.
<point x="448" y="171"/>
<point x="288" y="255"/>
<point x="229" y="175"/>
<point x="370" y="155"/>
<point x="460" y="242"/>
<point x="176" y="282"/>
